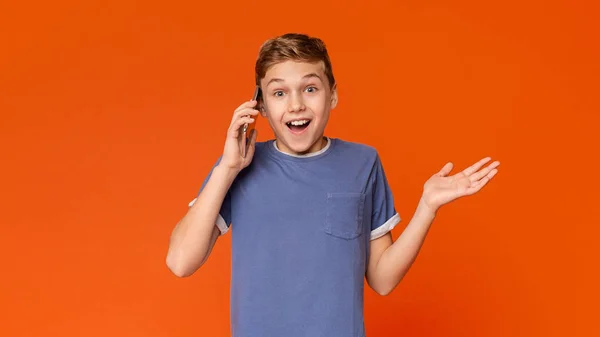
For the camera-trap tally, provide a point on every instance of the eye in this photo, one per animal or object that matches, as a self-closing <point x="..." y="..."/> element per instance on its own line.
<point x="311" y="89"/>
<point x="278" y="93"/>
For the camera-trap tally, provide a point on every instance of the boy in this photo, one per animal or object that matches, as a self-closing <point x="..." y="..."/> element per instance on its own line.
<point x="311" y="215"/>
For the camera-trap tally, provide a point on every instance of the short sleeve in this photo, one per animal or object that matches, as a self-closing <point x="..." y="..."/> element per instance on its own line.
<point x="384" y="216"/>
<point x="224" y="217"/>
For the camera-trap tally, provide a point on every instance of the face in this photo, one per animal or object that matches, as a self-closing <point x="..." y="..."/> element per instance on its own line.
<point x="297" y="99"/>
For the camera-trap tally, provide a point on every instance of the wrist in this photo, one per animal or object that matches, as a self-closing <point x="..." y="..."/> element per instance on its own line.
<point x="424" y="207"/>
<point x="226" y="173"/>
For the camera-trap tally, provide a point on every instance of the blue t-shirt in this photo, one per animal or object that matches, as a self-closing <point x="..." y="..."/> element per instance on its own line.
<point x="301" y="227"/>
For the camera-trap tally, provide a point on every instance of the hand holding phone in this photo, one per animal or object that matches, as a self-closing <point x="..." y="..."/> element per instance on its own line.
<point x="239" y="145"/>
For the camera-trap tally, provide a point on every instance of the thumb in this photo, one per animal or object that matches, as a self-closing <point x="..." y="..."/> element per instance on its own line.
<point x="445" y="170"/>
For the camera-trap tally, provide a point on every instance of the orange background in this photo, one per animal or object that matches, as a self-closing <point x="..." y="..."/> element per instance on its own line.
<point x="112" y="113"/>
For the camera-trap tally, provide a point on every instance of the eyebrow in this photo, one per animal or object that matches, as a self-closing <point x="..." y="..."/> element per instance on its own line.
<point x="311" y="75"/>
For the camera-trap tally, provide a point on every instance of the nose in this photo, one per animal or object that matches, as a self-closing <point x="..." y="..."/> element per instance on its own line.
<point x="296" y="103"/>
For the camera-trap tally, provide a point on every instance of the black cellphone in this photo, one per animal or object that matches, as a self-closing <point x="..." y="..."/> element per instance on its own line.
<point x="249" y="127"/>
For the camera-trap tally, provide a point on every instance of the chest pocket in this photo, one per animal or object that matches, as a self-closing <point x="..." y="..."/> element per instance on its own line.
<point x="345" y="213"/>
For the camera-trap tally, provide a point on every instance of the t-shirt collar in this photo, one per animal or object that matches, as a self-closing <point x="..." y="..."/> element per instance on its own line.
<point x="308" y="155"/>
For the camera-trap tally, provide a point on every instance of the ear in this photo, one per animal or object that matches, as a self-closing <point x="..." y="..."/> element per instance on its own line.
<point x="261" y="108"/>
<point x="334" y="96"/>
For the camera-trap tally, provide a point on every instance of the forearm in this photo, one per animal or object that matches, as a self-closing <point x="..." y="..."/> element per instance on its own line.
<point x="397" y="259"/>
<point x="193" y="237"/>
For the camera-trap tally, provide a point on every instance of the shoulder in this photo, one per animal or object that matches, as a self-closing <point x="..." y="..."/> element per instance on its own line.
<point x="262" y="147"/>
<point x="358" y="151"/>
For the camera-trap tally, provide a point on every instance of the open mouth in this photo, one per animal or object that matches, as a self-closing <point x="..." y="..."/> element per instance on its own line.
<point x="298" y="126"/>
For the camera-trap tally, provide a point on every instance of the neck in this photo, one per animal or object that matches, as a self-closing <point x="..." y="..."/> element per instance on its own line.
<point x="317" y="146"/>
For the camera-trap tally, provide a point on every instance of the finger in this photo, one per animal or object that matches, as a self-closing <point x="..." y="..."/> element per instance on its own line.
<point x="478" y="175"/>
<point x="248" y="104"/>
<point x="475" y="167"/>
<point x="237" y="125"/>
<point x="445" y="170"/>
<point x="478" y="185"/>
<point x="244" y="113"/>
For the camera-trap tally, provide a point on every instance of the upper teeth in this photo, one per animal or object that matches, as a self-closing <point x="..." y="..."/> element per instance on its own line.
<point x="302" y="122"/>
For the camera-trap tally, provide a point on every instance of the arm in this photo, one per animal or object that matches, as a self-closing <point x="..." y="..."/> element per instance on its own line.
<point x="194" y="236"/>
<point x="389" y="262"/>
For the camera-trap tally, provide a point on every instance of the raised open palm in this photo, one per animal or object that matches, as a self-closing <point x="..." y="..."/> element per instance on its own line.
<point x="441" y="189"/>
